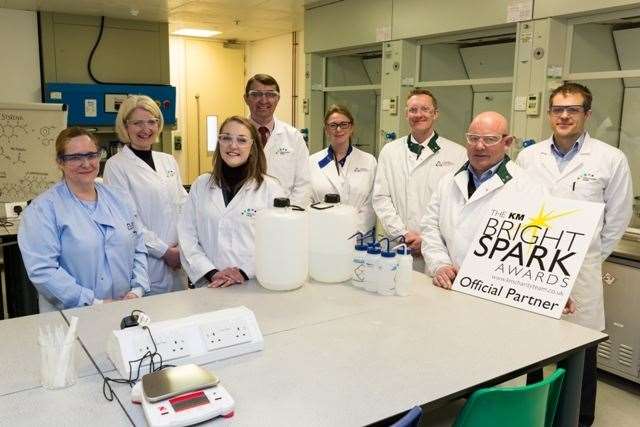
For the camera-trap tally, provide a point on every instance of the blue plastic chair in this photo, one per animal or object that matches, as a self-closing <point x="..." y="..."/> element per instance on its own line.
<point x="533" y="405"/>
<point x="410" y="419"/>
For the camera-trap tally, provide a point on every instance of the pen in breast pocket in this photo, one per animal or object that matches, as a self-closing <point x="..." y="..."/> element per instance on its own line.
<point x="573" y="188"/>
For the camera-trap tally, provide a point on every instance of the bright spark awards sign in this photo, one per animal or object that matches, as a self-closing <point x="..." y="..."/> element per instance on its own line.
<point x="528" y="252"/>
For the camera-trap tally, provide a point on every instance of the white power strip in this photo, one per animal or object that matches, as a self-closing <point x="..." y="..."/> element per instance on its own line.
<point x="199" y="339"/>
<point x="12" y="209"/>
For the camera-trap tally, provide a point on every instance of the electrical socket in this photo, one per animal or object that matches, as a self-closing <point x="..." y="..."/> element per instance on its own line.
<point x="199" y="338"/>
<point x="170" y="344"/>
<point x="225" y="333"/>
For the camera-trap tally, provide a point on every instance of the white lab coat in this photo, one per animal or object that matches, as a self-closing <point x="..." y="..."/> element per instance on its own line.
<point x="288" y="161"/>
<point x="158" y="196"/>
<point x="215" y="236"/>
<point x="354" y="184"/>
<point x="452" y="218"/>
<point x="403" y="185"/>
<point x="597" y="173"/>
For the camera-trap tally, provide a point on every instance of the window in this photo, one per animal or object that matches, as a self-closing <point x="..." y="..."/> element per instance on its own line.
<point x="468" y="75"/>
<point x="602" y="54"/>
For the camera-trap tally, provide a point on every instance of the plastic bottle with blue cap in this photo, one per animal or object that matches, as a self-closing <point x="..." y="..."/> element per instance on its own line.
<point x="371" y="268"/>
<point x="387" y="272"/>
<point x="359" y="253"/>
<point x="404" y="278"/>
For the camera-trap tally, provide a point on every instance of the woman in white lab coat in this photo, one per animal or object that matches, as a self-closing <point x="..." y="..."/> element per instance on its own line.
<point x="344" y="169"/>
<point x="153" y="180"/>
<point x="216" y="228"/>
<point x="80" y="240"/>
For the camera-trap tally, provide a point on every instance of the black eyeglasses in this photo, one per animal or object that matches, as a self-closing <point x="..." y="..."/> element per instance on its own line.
<point x="338" y="125"/>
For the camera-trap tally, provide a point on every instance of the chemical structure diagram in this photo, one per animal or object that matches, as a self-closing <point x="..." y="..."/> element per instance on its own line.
<point x="26" y="157"/>
<point x="19" y="159"/>
<point x="12" y="129"/>
<point x="26" y="188"/>
<point x="46" y="135"/>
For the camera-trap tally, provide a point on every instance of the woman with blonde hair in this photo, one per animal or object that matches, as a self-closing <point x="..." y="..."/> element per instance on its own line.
<point x="216" y="228"/>
<point x="153" y="180"/>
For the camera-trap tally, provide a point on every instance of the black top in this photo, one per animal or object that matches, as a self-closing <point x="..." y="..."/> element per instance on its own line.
<point x="232" y="179"/>
<point x="145" y="156"/>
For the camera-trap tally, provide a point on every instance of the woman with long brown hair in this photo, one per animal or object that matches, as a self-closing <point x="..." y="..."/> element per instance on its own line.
<point x="216" y="228"/>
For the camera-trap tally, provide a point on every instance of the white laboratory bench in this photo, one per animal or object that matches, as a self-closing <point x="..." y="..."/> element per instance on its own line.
<point x="336" y="355"/>
<point x="20" y="367"/>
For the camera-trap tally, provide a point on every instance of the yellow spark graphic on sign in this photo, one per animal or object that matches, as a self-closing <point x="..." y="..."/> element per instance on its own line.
<point x="542" y="219"/>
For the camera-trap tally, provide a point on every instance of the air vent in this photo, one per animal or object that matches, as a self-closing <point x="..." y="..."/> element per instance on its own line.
<point x="604" y="349"/>
<point x="625" y="355"/>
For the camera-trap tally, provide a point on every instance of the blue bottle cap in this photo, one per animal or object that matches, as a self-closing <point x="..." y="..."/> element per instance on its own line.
<point x="361" y="247"/>
<point x="373" y="250"/>
<point x="403" y="251"/>
<point x="389" y="254"/>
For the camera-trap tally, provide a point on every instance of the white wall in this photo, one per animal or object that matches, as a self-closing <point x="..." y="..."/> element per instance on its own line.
<point x="273" y="56"/>
<point x="20" y="70"/>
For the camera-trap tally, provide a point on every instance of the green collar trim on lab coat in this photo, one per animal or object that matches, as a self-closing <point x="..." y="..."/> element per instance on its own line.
<point x="416" y="148"/>
<point x="433" y="145"/>
<point x="502" y="171"/>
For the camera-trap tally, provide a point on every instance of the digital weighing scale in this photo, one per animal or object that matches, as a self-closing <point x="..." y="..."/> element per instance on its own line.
<point x="181" y="396"/>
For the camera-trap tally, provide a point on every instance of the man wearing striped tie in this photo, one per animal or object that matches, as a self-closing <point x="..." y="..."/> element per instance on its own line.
<point x="286" y="151"/>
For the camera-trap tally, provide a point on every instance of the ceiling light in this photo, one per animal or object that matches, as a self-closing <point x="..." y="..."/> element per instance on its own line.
<point x="195" y="32"/>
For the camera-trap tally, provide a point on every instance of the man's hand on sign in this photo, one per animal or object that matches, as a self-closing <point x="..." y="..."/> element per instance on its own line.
<point x="414" y="241"/>
<point x="570" y="307"/>
<point x="445" y="275"/>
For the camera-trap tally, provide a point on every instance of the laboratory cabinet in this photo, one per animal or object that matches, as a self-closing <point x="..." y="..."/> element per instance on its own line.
<point x="620" y="353"/>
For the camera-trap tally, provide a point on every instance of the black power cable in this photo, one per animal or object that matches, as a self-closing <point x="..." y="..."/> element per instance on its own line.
<point x="107" y="391"/>
<point x="90" y="61"/>
<point x="93" y="51"/>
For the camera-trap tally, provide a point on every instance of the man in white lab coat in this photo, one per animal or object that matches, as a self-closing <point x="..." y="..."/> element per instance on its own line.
<point x="409" y="170"/>
<point x="571" y="164"/>
<point x="286" y="151"/>
<point x="463" y="197"/>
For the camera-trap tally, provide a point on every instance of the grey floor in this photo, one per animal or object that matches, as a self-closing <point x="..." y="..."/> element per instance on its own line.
<point x="617" y="403"/>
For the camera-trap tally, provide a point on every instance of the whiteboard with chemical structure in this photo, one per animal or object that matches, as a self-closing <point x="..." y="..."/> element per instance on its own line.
<point x="27" y="149"/>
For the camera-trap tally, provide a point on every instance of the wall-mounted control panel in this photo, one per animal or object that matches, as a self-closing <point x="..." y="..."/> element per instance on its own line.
<point x="97" y="104"/>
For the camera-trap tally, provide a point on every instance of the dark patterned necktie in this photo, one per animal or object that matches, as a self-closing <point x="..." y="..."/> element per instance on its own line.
<point x="264" y="135"/>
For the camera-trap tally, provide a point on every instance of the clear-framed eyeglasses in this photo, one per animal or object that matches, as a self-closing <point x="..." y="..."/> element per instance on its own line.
<point x="76" y="159"/>
<point x="429" y="111"/>
<point x="269" y="94"/>
<point x="474" y="139"/>
<point x="572" y="110"/>
<point x="150" y="123"/>
<point x="338" y="125"/>
<point x="228" y="139"/>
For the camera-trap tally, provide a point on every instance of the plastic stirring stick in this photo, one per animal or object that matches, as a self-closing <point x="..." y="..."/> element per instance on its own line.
<point x="61" y="372"/>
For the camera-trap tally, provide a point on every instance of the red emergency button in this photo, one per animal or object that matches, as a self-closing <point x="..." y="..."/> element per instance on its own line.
<point x="166" y="103"/>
